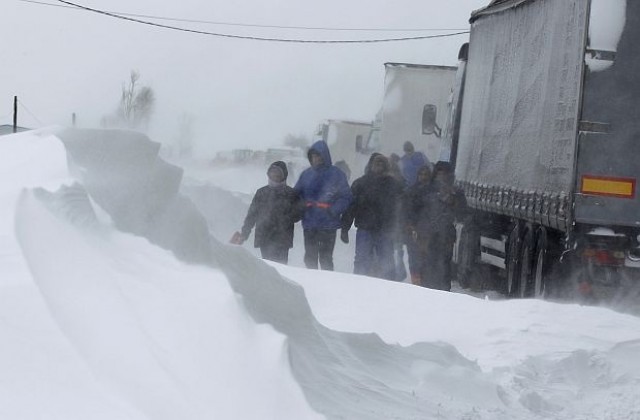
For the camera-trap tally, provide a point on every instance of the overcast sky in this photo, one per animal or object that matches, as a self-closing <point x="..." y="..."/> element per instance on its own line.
<point x="240" y="93"/>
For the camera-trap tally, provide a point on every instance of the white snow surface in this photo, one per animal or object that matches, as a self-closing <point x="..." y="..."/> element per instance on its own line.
<point x="97" y="323"/>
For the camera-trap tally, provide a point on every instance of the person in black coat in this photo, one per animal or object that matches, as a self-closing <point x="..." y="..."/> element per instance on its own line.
<point x="435" y="210"/>
<point x="274" y="210"/>
<point x="416" y="212"/>
<point x="375" y="211"/>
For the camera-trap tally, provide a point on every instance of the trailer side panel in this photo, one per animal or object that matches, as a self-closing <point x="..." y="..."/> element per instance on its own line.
<point x="517" y="147"/>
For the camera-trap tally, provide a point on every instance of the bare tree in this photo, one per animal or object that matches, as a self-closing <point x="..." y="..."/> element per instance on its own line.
<point x="135" y="107"/>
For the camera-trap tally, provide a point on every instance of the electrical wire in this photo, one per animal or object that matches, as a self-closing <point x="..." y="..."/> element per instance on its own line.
<point x="30" y="113"/>
<point x="253" y="25"/>
<point x="255" y="38"/>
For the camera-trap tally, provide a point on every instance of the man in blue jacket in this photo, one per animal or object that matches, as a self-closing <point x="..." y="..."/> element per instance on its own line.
<point x="326" y="193"/>
<point x="411" y="161"/>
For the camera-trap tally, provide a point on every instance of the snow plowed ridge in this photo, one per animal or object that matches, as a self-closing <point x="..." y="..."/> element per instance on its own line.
<point x="161" y="335"/>
<point x="343" y="375"/>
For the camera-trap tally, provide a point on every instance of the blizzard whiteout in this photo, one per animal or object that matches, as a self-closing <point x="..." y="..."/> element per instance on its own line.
<point x="98" y="323"/>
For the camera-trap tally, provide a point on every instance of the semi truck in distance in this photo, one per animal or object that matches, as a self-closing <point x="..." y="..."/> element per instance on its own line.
<point x="347" y="142"/>
<point x="543" y="128"/>
<point x="407" y="89"/>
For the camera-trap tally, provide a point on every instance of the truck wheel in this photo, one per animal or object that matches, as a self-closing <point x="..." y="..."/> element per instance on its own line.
<point x="541" y="266"/>
<point x="512" y="258"/>
<point x="526" y="262"/>
<point x="467" y="255"/>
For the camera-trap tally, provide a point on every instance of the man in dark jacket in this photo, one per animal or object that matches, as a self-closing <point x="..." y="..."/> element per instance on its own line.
<point x="416" y="208"/>
<point x="375" y="210"/>
<point x="400" y="236"/>
<point x="326" y="194"/>
<point x="273" y="211"/>
<point x="436" y="211"/>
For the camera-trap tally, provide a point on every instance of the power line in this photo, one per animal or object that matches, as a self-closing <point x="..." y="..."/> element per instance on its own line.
<point x="253" y="25"/>
<point x="30" y="113"/>
<point x="256" y="38"/>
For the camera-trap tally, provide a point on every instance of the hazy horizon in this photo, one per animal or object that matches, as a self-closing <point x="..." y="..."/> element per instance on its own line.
<point x="238" y="93"/>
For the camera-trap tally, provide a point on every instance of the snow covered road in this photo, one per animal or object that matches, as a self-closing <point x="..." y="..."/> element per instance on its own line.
<point x="110" y="314"/>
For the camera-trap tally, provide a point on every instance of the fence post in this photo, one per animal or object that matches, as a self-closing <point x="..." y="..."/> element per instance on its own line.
<point x="15" y="114"/>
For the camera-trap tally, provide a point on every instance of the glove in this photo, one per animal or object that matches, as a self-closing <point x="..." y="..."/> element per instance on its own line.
<point x="236" y="238"/>
<point x="344" y="236"/>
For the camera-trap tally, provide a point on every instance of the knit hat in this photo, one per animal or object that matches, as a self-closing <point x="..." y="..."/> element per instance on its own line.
<point x="281" y="166"/>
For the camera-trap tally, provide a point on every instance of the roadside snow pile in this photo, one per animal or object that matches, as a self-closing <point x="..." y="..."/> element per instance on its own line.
<point x="100" y="323"/>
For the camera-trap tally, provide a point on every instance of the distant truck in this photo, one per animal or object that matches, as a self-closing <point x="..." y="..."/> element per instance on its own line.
<point x="407" y="89"/>
<point x="544" y="131"/>
<point x="347" y="142"/>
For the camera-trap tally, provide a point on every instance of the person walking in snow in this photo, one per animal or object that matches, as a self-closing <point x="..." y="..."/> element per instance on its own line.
<point x="434" y="210"/>
<point x="274" y="210"/>
<point x="326" y="194"/>
<point x="416" y="207"/>
<point x="374" y="210"/>
<point x="399" y="237"/>
<point x="448" y="205"/>
<point x="410" y="162"/>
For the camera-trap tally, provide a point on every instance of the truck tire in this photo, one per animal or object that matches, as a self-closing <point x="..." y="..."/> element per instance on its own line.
<point x="468" y="251"/>
<point x="512" y="261"/>
<point x="524" y="288"/>
<point x="541" y="266"/>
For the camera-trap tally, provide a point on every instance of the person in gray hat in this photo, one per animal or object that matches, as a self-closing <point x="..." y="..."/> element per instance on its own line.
<point x="274" y="210"/>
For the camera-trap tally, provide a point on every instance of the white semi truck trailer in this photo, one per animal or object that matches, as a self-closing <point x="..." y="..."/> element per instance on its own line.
<point x="544" y="131"/>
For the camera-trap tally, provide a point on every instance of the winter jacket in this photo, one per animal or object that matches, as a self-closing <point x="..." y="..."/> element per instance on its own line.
<point x="273" y="211"/>
<point x="430" y="210"/>
<point x="410" y="163"/>
<point x="418" y="204"/>
<point x="376" y="203"/>
<point x="325" y="192"/>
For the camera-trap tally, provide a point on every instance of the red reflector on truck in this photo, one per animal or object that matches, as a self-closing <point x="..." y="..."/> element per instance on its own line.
<point x="608" y="186"/>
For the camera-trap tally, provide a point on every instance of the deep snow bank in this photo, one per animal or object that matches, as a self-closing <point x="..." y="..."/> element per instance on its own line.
<point x="343" y="375"/>
<point x="165" y="337"/>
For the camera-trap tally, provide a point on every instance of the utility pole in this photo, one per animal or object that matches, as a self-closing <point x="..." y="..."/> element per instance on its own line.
<point x="73" y="119"/>
<point x="15" y="114"/>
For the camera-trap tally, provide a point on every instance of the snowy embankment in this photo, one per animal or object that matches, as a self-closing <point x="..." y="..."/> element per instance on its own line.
<point x="100" y="323"/>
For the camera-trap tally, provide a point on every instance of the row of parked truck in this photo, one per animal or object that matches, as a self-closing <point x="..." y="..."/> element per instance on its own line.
<point x="541" y="119"/>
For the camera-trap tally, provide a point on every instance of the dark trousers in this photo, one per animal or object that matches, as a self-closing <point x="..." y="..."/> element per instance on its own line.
<point x="413" y="254"/>
<point x="318" y="247"/>
<point x="374" y="254"/>
<point x="435" y="260"/>
<point x="275" y="252"/>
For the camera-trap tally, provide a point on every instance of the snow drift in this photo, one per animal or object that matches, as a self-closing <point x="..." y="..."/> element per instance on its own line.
<point x="213" y="332"/>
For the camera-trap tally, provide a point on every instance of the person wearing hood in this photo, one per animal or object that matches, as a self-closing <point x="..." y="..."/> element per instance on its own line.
<point x="326" y="195"/>
<point x="375" y="210"/>
<point x="411" y="161"/>
<point x="274" y="210"/>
